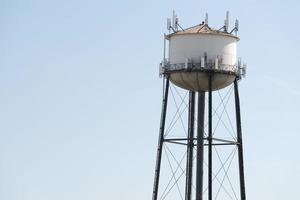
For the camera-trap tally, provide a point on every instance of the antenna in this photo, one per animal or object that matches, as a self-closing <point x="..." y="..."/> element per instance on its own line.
<point x="244" y="70"/>
<point x="226" y="23"/>
<point x="176" y="23"/>
<point x="206" y="18"/>
<point x="168" y="24"/>
<point x="236" y="25"/>
<point x="173" y="19"/>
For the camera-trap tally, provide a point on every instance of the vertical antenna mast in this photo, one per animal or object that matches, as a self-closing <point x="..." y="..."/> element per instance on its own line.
<point x="164" y="49"/>
<point x="236" y="26"/>
<point x="169" y="24"/>
<point x="226" y="25"/>
<point x="206" y="18"/>
<point x="173" y="19"/>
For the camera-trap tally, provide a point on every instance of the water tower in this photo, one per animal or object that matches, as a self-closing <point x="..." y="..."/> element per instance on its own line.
<point x="201" y="61"/>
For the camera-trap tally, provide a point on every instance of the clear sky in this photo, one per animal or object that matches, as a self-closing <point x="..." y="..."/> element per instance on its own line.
<point x="80" y="96"/>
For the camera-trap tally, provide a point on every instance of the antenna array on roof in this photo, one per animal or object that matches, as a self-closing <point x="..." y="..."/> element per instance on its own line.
<point x="225" y="27"/>
<point x="174" y="23"/>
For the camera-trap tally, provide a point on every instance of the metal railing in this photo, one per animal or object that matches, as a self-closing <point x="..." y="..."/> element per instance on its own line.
<point x="217" y="65"/>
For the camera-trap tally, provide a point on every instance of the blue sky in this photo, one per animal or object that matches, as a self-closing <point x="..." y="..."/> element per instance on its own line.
<point x="80" y="96"/>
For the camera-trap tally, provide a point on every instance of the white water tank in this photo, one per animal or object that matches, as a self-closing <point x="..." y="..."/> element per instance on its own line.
<point x="195" y="51"/>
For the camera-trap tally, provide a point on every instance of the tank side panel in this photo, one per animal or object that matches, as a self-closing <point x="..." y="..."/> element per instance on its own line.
<point x="229" y="54"/>
<point x="193" y="47"/>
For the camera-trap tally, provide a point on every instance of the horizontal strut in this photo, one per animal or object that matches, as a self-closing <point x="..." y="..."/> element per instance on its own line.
<point x="183" y="141"/>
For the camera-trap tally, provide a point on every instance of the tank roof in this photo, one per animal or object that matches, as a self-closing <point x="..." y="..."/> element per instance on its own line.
<point x="201" y="29"/>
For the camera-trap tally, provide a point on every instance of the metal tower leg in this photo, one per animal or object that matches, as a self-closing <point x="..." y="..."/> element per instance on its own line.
<point x="210" y="178"/>
<point x="200" y="145"/>
<point x="190" y="146"/>
<point x="240" y="141"/>
<point x="160" y="140"/>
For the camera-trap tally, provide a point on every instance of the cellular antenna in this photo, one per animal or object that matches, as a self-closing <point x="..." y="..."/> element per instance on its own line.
<point x="176" y="23"/>
<point x="206" y="18"/>
<point x="168" y="24"/>
<point x="174" y="20"/>
<point x="236" y="25"/>
<point x="226" y="23"/>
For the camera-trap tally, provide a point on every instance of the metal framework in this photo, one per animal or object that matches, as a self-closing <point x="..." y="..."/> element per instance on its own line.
<point x="200" y="142"/>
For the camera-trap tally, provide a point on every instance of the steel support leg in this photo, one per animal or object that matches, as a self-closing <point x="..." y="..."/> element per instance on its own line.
<point x="200" y="145"/>
<point x="190" y="146"/>
<point x="210" y="177"/>
<point x="240" y="141"/>
<point x="160" y="140"/>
